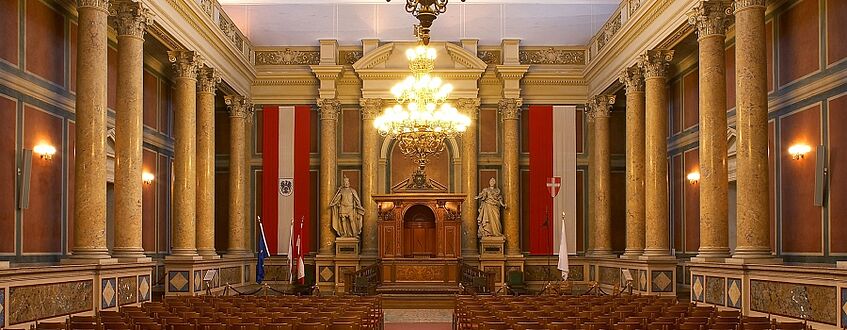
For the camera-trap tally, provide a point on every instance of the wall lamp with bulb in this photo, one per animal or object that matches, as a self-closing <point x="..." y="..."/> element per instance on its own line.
<point x="147" y="177"/>
<point x="693" y="177"/>
<point x="799" y="151"/>
<point x="45" y="151"/>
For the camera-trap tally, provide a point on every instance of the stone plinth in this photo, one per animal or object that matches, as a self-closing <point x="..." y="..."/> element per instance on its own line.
<point x="841" y="264"/>
<point x="185" y="276"/>
<point x="491" y="247"/>
<point x="346" y="247"/>
<point x="653" y="276"/>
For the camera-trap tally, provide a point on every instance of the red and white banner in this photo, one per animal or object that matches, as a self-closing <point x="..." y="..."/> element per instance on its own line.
<point x="552" y="165"/>
<point x="285" y="174"/>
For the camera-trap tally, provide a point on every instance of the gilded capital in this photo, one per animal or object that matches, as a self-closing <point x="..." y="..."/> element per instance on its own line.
<point x="510" y="109"/>
<point x="739" y="5"/>
<point x="239" y="106"/>
<point x="131" y="18"/>
<point x="600" y="105"/>
<point x="655" y="63"/>
<point x="207" y="79"/>
<point x="370" y="107"/>
<point x="710" y="17"/>
<point x="589" y="113"/>
<point x="185" y="63"/>
<point x="469" y="107"/>
<point x="96" y="4"/>
<point x="633" y="79"/>
<point x="329" y="108"/>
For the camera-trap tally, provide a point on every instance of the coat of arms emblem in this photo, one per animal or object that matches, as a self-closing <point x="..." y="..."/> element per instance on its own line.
<point x="286" y="186"/>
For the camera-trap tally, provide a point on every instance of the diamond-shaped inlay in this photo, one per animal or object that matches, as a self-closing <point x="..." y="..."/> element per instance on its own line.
<point x="734" y="293"/>
<point x="642" y="281"/>
<point x="108" y="293"/>
<point x="143" y="288"/>
<point x="2" y="307"/>
<point x="697" y="288"/>
<point x="843" y="306"/>
<point x="662" y="281"/>
<point x="198" y="280"/>
<point x="326" y="274"/>
<point x="178" y="281"/>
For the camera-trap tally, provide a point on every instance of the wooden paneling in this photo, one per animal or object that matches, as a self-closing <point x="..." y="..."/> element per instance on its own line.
<point x="675" y="98"/>
<point x="69" y="196"/>
<point x="485" y="176"/>
<point x="676" y="200"/>
<point x="222" y="134"/>
<point x="151" y="100"/>
<point x="799" y="48"/>
<point x="45" y="42"/>
<point x="354" y="176"/>
<point x="222" y="211"/>
<point x="314" y="132"/>
<point x="165" y="184"/>
<point x="838" y="174"/>
<point x="489" y="128"/>
<point x="402" y="167"/>
<point x="524" y="129"/>
<point x="148" y="202"/>
<point x="690" y="100"/>
<point x="769" y="54"/>
<point x="691" y="193"/>
<point x="580" y="138"/>
<point x="165" y="113"/>
<point x="351" y="131"/>
<point x="836" y="34"/>
<point x="800" y="218"/>
<point x="8" y="150"/>
<point x="258" y="127"/>
<point x="9" y="25"/>
<point x="112" y="77"/>
<point x="617" y="132"/>
<point x="580" y="211"/>
<point x="772" y="154"/>
<point x="618" y="200"/>
<point x="729" y="59"/>
<point x="42" y="221"/>
<point x="72" y="56"/>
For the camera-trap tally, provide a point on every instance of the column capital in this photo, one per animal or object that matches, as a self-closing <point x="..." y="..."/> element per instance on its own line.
<point x="510" y="109"/>
<point x="589" y="112"/>
<point x="739" y="5"/>
<point x="207" y="79"/>
<point x="329" y="108"/>
<point x="185" y="63"/>
<point x="655" y="63"/>
<point x="710" y="17"/>
<point x="469" y="107"/>
<point x="131" y="18"/>
<point x="633" y="79"/>
<point x="96" y="4"/>
<point x="239" y="106"/>
<point x="371" y="107"/>
<point x="601" y="105"/>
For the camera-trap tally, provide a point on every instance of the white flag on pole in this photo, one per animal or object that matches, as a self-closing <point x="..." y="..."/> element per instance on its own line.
<point x="563" y="250"/>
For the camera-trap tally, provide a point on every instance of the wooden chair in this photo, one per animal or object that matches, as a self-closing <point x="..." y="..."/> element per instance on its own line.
<point x="51" y="325"/>
<point x="790" y="326"/>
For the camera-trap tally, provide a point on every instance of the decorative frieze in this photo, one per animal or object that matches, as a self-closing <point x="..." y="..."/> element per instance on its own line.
<point x="207" y="80"/>
<point x="287" y="57"/>
<point x="744" y="4"/>
<point x="552" y="56"/>
<point x="349" y="56"/>
<point x="510" y="109"/>
<point x="633" y="78"/>
<point x="655" y="62"/>
<point x="96" y="4"/>
<point x="238" y="106"/>
<point x="609" y="30"/>
<point x="329" y="108"/>
<point x="489" y="56"/>
<point x="231" y="31"/>
<point x="131" y="18"/>
<point x="710" y="17"/>
<point x="371" y="108"/>
<point x="185" y="63"/>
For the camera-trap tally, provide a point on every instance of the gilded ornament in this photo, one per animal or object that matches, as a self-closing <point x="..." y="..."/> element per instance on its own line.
<point x="744" y="4"/>
<point x="239" y="106"/>
<point x="710" y="17"/>
<point x="185" y="63"/>
<point x="370" y="108"/>
<point x="510" y="109"/>
<point x="207" y="80"/>
<point x="287" y="57"/>
<point x="96" y="4"/>
<point x="350" y="56"/>
<point x="655" y="62"/>
<point x="609" y="30"/>
<point x="131" y="18"/>
<point x="489" y="56"/>
<point x="633" y="78"/>
<point x="329" y="108"/>
<point x="552" y="56"/>
<point x="601" y="105"/>
<point x="469" y="107"/>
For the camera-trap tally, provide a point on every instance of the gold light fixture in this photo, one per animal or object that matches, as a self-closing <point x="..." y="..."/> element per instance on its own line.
<point x="45" y="150"/>
<point x="799" y="151"/>
<point x="693" y="177"/>
<point x="426" y="11"/>
<point x="147" y="177"/>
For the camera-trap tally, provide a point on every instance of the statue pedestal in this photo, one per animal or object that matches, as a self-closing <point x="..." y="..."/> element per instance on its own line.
<point x="347" y="261"/>
<point x="346" y="247"/>
<point x="491" y="247"/>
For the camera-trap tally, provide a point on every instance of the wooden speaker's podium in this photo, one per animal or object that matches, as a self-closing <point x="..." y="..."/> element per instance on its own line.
<point x="420" y="238"/>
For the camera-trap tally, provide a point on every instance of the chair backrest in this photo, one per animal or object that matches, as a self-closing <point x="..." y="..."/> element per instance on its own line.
<point x="51" y="325"/>
<point x="515" y="278"/>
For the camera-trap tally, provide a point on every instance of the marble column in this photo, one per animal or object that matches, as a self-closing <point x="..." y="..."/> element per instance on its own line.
<point x="510" y="111"/>
<point x="470" y="151"/>
<point x="371" y="108"/>
<point x="592" y="168"/>
<point x="601" y="105"/>
<point x="185" y="65"/>
<point x="239" y="110"/>
<point x="711" y="20"/>
<point x="207" y="81"/>
<point x="130" y="19"/>
<point x="655" y="64"/>
<point x="633" y="80"/>
<point x="329" y="111"/>
<point x="90" y="167"/>
<point x="751" y="90"/>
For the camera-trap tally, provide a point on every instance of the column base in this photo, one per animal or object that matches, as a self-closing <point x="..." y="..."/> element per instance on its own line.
<point x="753" y="260"/>
<point x="237" y="254"/>
<point x="133" y="259"/>
<point x="840" y="264"/>
<point x="603" y="254"/>
<point x="183" y="257"/>
<point x="711" y="255"/>
<point x="656" y="257"/>
<point x="84" y="260"/>
<point x="5" y="265"/>
<point x="633" y="255"/>
<point x="130" y="255"/>
<point x="208" y="254"/>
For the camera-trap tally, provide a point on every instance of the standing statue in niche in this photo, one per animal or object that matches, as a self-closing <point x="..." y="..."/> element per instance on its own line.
<point x="489" y="210"/>
<point x="347" y="211"/>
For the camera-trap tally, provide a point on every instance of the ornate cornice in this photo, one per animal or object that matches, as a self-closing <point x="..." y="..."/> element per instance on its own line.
<point x="469" y="107"/>
<point x="329" y="108"/>
<point x="655" y="63"/>
<point x="600" y="105"/>
<point x="710" y="17"/>
<point x="131" y="18"/>
<point x="633" y="79"/>
<point x="238" y="106"/>
<point x="96" y="4"/>
<point x="287" y="57"/>
<point x="552" y="56"/>
<point x="371" y="107"/>
<point x="510" y="109"/>
<point x="740" y="5"/>
<point x="207" y="80"/>
<point x="185" y="63"/>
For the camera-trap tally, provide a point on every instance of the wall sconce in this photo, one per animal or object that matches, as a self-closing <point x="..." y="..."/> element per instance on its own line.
<point x="147" y="177"/>
<point x="693" y="177"/>
<point x="45" y="150"/>
<point x="799" y="151"/>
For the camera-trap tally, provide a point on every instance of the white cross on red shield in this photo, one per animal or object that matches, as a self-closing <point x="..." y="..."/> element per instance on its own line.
<point x="553" y="185"/>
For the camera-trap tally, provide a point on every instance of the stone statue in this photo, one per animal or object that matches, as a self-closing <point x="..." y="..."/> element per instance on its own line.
<point x="347" y="211"/>
<point x="489" y="211"/>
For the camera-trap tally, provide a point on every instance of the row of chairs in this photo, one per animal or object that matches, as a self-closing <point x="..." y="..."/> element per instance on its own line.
<point x="236" y="312"/>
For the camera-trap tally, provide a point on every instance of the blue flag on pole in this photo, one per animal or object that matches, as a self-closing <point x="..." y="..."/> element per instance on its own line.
<point x="263" y="253"/>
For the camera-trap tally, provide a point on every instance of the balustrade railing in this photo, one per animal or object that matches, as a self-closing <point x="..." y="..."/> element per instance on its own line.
<point x="475" y="280"/>
<point x="618" y="19"/>
<point x="212" y="9"/>
<point x="364" y="281"/>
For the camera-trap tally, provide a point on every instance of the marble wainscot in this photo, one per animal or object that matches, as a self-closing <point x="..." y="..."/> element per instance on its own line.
<point x="656" y="276"/>
<point x="186" y="277"/>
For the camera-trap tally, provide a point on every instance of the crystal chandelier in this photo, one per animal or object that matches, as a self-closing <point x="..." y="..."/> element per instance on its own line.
<point x="422" y="117"/>
<point x="425" y="11"/>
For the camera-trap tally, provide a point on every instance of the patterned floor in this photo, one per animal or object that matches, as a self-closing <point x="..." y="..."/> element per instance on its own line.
<point x="415" y="319"/>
